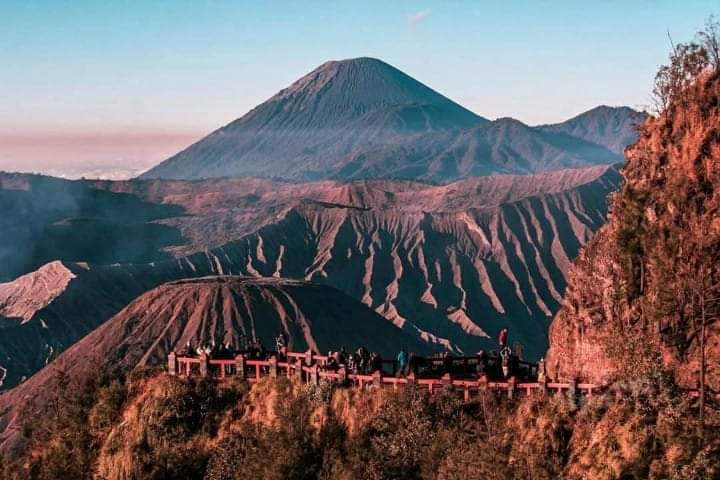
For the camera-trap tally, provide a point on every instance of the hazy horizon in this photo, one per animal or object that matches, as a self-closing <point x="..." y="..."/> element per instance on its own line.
<point x="111" y="90"/>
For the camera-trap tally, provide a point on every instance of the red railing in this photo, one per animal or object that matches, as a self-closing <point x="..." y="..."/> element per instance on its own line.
<point x="310" y="368"/>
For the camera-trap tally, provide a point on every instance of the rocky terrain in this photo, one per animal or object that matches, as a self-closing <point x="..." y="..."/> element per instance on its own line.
<point x="450" y="264"/>
<point x="48" y="310"/>
<point x="640" y="315"/>
<point x="362" y="118"/>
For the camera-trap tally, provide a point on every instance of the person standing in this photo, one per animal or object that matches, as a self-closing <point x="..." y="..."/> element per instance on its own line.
<point x="542" y="374"/>
<point x="402" y="360"/>
<point x="505" y="355"/>
<point x="502" y="338"/>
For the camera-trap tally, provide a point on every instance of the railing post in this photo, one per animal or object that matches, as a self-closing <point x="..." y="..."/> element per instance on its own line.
<point x="289" y="370"/>
<point x="572" y="392"/>
<point x="204" y="365"/>
<point x="511" y="388"/>
<point x="447" y="382"/>
<point x="543" y="386"/>
<point x="172" y="364"/>
<point x="308" y="358"/>
<point x="483" y="383"/>
<point x="314" y="378"/>
<point x="342" y="375"/>
<point x="240" y="365"/>
<point x="273" y="367"/>
<point x="377" y="378"/>
<point x="411" y="380"/>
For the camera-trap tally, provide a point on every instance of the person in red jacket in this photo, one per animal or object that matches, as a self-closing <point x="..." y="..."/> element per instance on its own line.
<point x="503" y="337"/>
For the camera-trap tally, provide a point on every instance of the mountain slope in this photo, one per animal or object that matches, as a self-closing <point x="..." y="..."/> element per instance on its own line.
<point x="319" y="124"/>
<point x="109" y="222"/>
<point x="362" y="118"/>
<point x="220" y="309"/>
<point x="612" y="127"/>
<point x="451" y="264"/>
<point x="44" y="219"/>
<point x="48" y="310"/>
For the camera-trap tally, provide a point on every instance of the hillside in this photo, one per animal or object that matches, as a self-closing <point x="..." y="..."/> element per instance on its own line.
<point x="48" y="310"/>
<point x="362" y="118"/>
<point x="223" y="310"/>
<point x="451" y="264"/>
<point x="641" y="291"/>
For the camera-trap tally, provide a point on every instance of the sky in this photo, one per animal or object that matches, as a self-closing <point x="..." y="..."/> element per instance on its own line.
<point x="108" y="89"/>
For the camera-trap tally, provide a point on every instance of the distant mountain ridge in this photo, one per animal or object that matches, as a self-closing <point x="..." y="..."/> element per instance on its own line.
<point x="362" y="118"/>
<point x="613" y="127"/>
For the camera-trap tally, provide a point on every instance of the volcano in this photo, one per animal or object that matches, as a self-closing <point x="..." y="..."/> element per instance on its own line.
<point x="220" y="309"/>
<point x="362" y="118"/>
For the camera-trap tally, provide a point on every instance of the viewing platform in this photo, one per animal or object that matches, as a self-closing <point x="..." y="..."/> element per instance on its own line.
<point x="311" y="368"/>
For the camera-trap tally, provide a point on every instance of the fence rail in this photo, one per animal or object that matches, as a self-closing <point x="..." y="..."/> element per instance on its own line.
<point x="310" y="368"/>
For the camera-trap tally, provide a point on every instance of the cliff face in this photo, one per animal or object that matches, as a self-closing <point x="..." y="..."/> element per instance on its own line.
<point x="639" y="289"/>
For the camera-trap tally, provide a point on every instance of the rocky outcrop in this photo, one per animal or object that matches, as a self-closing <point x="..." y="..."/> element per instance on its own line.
<point x="637" y="292"/>
<point x="24" y="297"/>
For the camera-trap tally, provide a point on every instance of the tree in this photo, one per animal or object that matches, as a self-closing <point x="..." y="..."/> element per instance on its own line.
<point x="708" y="312"/>
<point x="698" y="272"/>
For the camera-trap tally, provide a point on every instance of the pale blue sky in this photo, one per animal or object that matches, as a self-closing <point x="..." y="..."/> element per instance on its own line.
<point x="187" y="67"/>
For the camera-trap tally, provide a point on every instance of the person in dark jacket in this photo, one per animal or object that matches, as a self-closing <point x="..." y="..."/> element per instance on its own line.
<point x="447" y="362"/>
<point x="505" y="357"/>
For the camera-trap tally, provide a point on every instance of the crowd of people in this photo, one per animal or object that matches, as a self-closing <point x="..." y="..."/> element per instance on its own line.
<point x="501" y="363"/>
<point x="253" y="350"/>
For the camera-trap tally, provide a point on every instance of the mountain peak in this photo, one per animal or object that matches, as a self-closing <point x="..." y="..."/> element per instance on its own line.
<point x="358" y="85"/>
<point x="363" y="118"/>
<point x="357" y="61"/>
<point x="612" y="127"/>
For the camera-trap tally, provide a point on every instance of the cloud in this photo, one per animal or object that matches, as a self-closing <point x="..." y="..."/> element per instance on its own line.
<point x="418" y="17"/>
